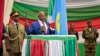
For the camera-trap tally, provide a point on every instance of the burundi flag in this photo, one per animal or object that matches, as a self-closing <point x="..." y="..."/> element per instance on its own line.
<point x="57" y="14"/>
<point x="50" y="10"/>
<point x="77" y="12"/>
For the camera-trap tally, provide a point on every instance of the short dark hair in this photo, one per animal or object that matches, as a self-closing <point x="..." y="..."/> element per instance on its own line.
<point x="89" y="21"/>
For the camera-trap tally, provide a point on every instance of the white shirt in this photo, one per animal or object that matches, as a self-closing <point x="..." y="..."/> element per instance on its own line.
<point x="15" y="23"/>
<point x="41" y="24"/>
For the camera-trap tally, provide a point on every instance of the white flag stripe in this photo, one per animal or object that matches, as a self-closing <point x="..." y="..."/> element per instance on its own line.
<point x="50" y="20"/>
<point x="56" y="47"/>
<point x="24" y="47"/>
<point x="70" y="3"/>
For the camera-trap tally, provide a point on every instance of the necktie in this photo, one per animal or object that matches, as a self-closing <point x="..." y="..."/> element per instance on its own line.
<point x="17" y="26"/>
<point x="44" y="28"/>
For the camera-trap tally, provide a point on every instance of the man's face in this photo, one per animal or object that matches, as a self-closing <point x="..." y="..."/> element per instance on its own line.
<point x="72" y="26"/>
<point x="42" y="16"/>
<point x="15" y="17"/>
<point x="90" y="24"/>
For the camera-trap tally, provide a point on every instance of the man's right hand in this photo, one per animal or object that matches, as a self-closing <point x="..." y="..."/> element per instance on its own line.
<point x="43" y="29"/>
<point x="8" y="50"/>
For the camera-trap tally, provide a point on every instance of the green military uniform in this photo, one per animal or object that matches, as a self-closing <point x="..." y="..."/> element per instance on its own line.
<point x="14" y="43"/>
<point x="90" y="35"/>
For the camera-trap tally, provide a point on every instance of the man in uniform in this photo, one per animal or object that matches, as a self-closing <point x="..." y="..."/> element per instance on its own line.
<point x="90" y="35"/>
<point x="16" y="33"/>
<point x="72" y="31"/>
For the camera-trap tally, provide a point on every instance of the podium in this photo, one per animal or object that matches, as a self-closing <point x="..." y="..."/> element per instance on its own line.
<point x="69" y="43"/>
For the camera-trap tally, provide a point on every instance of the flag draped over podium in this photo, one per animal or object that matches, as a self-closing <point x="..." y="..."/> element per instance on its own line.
<point x="37" y="48"/>
<point x="24" y="47"/>
<point x="56" y="48"/>
<point x="57" y="14"/>
<point x="57" y="45"/>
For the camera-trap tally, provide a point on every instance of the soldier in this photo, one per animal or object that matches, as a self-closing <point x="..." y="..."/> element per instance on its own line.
<point x="90" y="35"/>
<point x="73" y="32"/>
<point x="16" y="33"/>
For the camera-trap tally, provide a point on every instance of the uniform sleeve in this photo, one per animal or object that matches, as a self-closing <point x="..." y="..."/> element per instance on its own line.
<point x="83" y="35"/>
<point x="97" y="34"/>
<point x="4" y="29"/>
<point x="7" y="40"/>
<point x="77" y="36"/>
<point x="4" y="32"/>
<point x="25" y="34"/>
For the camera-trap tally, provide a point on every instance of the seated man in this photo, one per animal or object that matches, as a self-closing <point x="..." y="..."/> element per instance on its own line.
<point x="41" y="26"/>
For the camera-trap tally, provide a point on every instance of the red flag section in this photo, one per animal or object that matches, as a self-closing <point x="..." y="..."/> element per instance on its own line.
<point x="37" y="47"/>
<point x="1" y="19"/>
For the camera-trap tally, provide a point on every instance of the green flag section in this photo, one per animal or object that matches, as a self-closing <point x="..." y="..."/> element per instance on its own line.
<point x="51" y="7"/>
<point x="74" y="14"/>
<point x="50" y="11"/>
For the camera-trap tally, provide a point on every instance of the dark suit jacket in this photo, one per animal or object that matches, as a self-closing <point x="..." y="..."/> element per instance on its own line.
<point x="35" y="29"/>
<point x="75" y="33"/>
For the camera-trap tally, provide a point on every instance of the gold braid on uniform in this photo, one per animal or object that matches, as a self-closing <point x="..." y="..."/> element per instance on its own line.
<point x="13" y="39"/>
